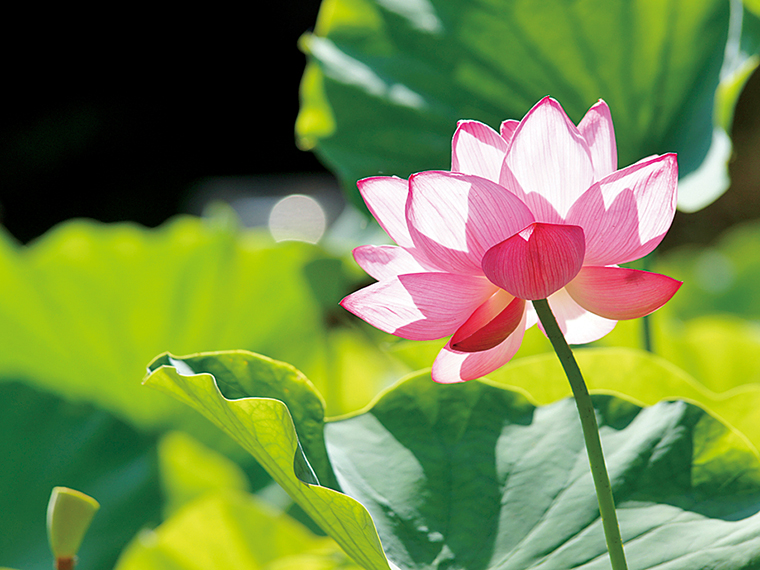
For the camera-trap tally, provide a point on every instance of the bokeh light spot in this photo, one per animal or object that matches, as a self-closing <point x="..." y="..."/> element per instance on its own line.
<point x="297" y="217"/>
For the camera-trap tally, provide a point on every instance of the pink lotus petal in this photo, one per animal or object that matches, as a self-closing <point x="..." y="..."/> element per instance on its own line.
<point x="657" y="197"/>
<point x="477" y="149"/>
<point x="508" y="129"/>
<point x="550" y="157"/>
<point x="612" y="232"/>
<point x="626" y="214"/>
<point x="537" y="261"/>
<point x="531" y="317"/>
<point x="577" y="324"/>
<point x="538" y="204"/>
<point x="490" y="324"/>
<point x="538" y="210"/>
<point x="596" y="127"/>
<point x="420" y="306"/>
<point x="619" y="293"/>
<point x="386" y="261"/>
<point x="454" y="218"/>
<point x="453" y="366"/>
<point x="385" y="197"/>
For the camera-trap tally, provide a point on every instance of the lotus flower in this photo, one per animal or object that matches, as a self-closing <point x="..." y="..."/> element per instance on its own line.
<point x="536" y="211"/>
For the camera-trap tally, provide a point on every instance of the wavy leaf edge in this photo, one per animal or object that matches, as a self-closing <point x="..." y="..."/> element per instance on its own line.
<point x="168" y="379"/>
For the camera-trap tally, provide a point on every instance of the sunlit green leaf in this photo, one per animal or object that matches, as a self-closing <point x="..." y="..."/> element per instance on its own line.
<point x="241" y="374"/>
<point x="264" y="427"/>
<point x="189" y="470"/>
<point x="100" y="301"/>
<point x="387" y="81"/>
<point x="229" y="530"/>
<point x="474" y="476"/>
<point x="719" y="351"/>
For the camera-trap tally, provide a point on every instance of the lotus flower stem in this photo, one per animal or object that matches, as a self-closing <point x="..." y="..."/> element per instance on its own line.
<point x="646" y="330"/>
<point x="590" y="434"/>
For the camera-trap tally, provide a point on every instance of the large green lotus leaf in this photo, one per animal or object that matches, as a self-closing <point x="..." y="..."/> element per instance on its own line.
<point x="387" y="80"/>
<point x="231" y="530"/>
<point x="48" y="442"/>
<point x="474" y="476"/>
<point x="265" y="428"/>
<point x="88" y="305"/>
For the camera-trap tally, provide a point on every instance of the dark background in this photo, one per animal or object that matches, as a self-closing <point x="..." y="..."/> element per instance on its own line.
<point x="116" y="120"/>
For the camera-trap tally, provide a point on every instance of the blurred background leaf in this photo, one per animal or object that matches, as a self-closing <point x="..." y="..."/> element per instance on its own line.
<point x="720" y="278"/>
<point x="101" y="301"/>
<point x="386" y="82"/>
<point x="47" y="441"/>
<point x="211" y="522"/>
<point x="226" y="530"/>
<point x="88" y="306"/>
<point x="189" y="470"/>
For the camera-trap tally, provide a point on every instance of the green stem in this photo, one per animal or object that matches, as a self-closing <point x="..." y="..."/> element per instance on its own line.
<point x="646" y="329"/>
<point x="646" y="322"/>
<point x="590" y="434"/>
<point x="66" y="563"/>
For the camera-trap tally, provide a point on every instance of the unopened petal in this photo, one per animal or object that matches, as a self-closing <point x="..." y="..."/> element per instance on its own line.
<point x="420" y="306"/>
<point x="386" y="261"/>
<point x="536" y="262"/>
<point x="490" y="324"/>
<point x="550" y="157"/>
<point x="385" y="197"/>
<point x="596" y="127"/>
<point x="453" y="366"/>
<point x="454" y="218"/>
<point x="620" y="293"/>
<point x="626" y="214"/>
<point x="578" y="325"/>
<point x="477" y="149"/>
